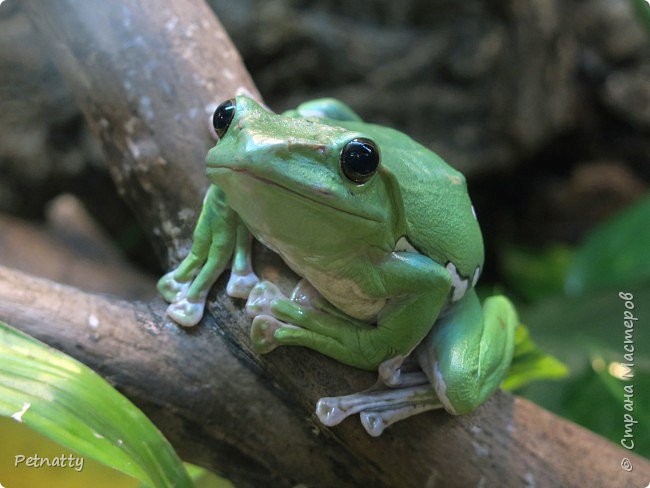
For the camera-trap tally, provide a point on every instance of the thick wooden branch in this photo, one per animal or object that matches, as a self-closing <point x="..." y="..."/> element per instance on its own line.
<point x="146" y="74"/>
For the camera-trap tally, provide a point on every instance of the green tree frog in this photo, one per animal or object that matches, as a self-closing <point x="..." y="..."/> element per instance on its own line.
<point x="385" y="238"/>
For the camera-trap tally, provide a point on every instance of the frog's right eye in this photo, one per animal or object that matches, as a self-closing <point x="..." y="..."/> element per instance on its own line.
<point x="359" y="160"/>
<point x="223" y="116"/>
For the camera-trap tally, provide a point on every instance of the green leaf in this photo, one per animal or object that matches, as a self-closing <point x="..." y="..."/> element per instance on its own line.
<point x="205" y="479"/>
<point x="66" y="401"/>
<point x="614" y="254"/>
<point x="530" y="363"/>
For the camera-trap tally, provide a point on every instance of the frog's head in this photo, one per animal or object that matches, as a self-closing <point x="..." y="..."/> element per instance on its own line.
<point x="299" y="166"/>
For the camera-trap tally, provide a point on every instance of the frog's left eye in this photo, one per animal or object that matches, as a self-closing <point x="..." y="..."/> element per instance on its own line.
<point x="359" y="160"/>
<point x="223" y="116"/>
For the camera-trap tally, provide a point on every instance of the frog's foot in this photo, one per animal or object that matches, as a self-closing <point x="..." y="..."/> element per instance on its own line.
<point x="259" y="307"/>
<point x="376" y="421"/>
<point x="332" y="334"/>
<point x="261" y="298"/>
<point x="263" y="333"/>
<point x="390" y="372"/>
<point x="333" y="410"/>
<point x="187" y="312"/>
<point x="240" y="285"/>
<point x="401" y="372"/>
<point x="171" y="289"/>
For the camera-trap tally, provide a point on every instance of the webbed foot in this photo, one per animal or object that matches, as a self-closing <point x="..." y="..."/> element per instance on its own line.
<point x="378" y="409"/>
<point x="376" y="421"/>
<point x="185" y="312"/>
<point x="240" y="285"/>
<point x="261" y="297"/>
<point x="171" y="289"/>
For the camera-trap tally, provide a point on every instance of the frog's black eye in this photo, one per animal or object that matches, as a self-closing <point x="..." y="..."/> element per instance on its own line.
<point x="359" y="160"/>
<point x="223" y="116"/>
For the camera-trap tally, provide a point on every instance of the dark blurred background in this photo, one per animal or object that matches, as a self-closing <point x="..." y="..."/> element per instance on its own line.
<point x="543" y="104"/>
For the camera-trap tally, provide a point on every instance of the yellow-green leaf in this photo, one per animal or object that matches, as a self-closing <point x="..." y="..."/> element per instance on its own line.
<point x="530" y="363"/>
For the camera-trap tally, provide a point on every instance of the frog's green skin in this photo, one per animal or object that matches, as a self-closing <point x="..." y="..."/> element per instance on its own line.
<point x="395" y="258"/>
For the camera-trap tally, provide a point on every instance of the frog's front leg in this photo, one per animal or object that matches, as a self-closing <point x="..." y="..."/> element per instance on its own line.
<point x="415" y="289"/>
<point x="242" y="277"/>
<point x="218" y="234"/>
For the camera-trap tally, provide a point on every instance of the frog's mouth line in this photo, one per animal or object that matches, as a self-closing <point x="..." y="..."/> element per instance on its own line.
<point x="289" y="190"/>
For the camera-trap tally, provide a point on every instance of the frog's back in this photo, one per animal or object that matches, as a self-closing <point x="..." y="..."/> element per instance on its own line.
<point x="439" y="218"/>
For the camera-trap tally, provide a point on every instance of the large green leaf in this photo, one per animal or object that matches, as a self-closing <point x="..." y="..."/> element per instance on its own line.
<point x="69" y="403"/>
<point x="614" y="254"/>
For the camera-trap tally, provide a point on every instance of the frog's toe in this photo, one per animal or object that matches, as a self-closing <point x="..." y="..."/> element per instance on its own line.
<point x="329" y="412"/>
<point x="261" y="298"/>
<point x="240" y="286"/>
<point x="171" y="289"/>
<point x="185" y="312"/>
<point x="263" y="333"/>
<point x="373" y="422"/>
<point x="390" y="372"/>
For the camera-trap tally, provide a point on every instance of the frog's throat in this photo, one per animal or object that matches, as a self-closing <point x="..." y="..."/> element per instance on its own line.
<point x="294" y="192"/>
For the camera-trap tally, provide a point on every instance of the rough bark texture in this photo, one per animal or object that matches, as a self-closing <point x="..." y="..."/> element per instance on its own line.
<point x="146" y="74"/>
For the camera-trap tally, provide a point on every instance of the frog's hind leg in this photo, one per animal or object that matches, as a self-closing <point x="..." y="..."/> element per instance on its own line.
<point x="401" y="391"/>
<point x="465" y="357"/>
<point x="468" y="352"/>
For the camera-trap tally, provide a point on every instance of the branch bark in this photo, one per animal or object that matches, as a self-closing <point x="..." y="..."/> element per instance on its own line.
<point x="146" y="75"/>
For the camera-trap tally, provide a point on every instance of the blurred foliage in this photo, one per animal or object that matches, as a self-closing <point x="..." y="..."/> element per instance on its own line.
<point x="617" y="253"/>
<point x="533" y="274"/>
<point x="64" y="400"/>
<point x="585" y="329"/>
<point x="642" y="8"/>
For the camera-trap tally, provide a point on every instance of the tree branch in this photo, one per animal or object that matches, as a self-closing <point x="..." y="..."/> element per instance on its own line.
<point x="146" y="74"/>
